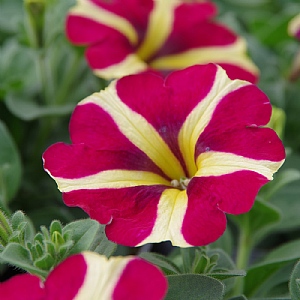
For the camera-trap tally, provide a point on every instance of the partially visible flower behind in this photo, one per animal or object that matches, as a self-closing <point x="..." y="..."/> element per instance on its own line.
<point x="163" y="160"/>
<point x="294" y="27"/>
<point x="90" y="276"/>
<point x="294" y="30"/>
<point x="129" y="36"/>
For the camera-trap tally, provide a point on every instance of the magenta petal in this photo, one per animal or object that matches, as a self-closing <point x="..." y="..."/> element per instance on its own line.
<point x="84" y="31"/>
<point x="140" y="280"/>
<point x="130" y="212"/>
<point x="62" y="161"/>
<point x="109" y="52"/>
<point x="135" y="11"/>
<point x="203" y="222"/>
<point x="64" y="282"/>
<point x="22" y="287"/>
<point x="236" y="72"/>
<point x="235" y="127"/>
<point x="179" y="94"/>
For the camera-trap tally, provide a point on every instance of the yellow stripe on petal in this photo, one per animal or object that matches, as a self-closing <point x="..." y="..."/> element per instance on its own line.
<point x="101" y="277"/>
<point x="234" y="54"/>
<point x="132" y="64"/>
<point x="159" y="27"/>
<point x="138" y="130"/>
<point x="87" y="9"/>
<point x="200" y="116"/>
<point x="170" y="214"/>
<point x="220" y="163"/>
<point x="112" y="179"/>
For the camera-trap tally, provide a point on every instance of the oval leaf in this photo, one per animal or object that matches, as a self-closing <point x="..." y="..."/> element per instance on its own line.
<point x="194" y="287"/>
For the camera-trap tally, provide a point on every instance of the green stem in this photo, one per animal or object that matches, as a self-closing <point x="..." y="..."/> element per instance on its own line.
<point x="186" y="259"/>
<point x="42" y="71"/>
<point x="43" y="134"/>
<point x="68" y="80"/>
<point x="243" y="253"/>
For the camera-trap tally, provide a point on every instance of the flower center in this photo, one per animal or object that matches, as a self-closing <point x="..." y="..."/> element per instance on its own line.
<point x="180" y="184"/>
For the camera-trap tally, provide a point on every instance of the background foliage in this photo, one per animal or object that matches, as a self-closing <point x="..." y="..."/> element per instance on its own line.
<point x="42" y="77"/>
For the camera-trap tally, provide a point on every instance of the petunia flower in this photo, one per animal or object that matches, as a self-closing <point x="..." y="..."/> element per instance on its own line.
<point x="90" y="276"/>
<point x="130" y="36"/>
<point x="294" y="27"/>
<point x="163" y="160"/>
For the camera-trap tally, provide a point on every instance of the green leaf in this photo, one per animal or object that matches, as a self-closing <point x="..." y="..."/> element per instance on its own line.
<point x="46" y="262"/>
<point x="283" y="178"/>
<point x="161" y="261"/>
<point x="89" y="235"/>
<point x="17" y="218"/>
<point x="11" y="14"/>
<point x="287" y="198"/>
<point x="294" y="284"/>
<point x="10" y="167"/>
<point x="23" y="106"/>
<point x="225" y="242"/>
<point x="277" y="283"/>
<point x="262" y="217"/>
<point x="55" y="226"/>
<point x="242" y="297"/>
<point x="15" y="61"/>
<point x="278" y="258"/>
<point x="18" y="256"/>
<point x="194" y="287"/>
<point x="224" y="261"/>
<point x="227" y="274"/>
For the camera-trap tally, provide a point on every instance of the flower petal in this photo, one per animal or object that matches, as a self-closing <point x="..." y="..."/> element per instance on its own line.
<point x="22" y="287"/>
<point x="130" y="213"/>
<point x="209" y="197"/>
<point x="294" y="27"/>
<point x="137" y="130"/>
<point x="207" y="42"/>
<point x="171" y="210"/>
<point x="200" y="116"/>
<point x="158" y="29"/>
<point x="243" y="112"/>
<point x="114" y="58"/>
<point x="89" y="10"/>
<point x="231" y="57"/>
<point x="140" y="280"/>
<point x="67" y="278"/>
<point x="97" y="277"/>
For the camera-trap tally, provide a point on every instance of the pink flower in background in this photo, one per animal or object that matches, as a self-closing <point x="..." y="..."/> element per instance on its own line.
<point x="130" y="36"/>
<point x="160" y="160"/>
<point x="88" y="276"/>
<point x="294" y="27"/>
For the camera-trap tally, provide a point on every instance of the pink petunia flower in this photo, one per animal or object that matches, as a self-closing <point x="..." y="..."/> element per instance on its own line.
<point x="129" y="36"/>
<point x="294" y="27"/>
<point x="90" y="276"/>
<point x="163" y="160"/>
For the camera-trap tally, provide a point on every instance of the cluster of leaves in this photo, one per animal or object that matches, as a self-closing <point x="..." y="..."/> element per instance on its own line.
<point x="39" y="252"/>
<point x="42" y="77"/>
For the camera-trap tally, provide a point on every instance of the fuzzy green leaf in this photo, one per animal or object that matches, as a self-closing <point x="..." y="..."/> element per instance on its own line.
<point x="89" y="235"/>
<point x="278" y="258"/>
<point x="194" y="287"/>
<point x="46" y="262"/>
<point x="161" y="261"/>
<point x="295" y="283"/>
<point x="227" y="274"/>
<point x="18" y="256"/>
